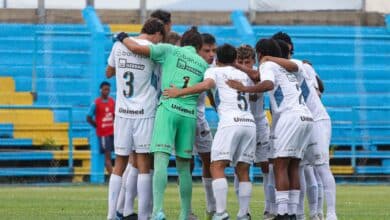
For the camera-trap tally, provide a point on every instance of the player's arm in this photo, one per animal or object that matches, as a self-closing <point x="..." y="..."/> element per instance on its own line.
<point x="90" y="115"/>
<point x="285" y="63"/>
<point x="321" y="87"/>
<point x="263" y="86"/>
<point x="174" y="92"/>
<point x="252" y="74"/>
<point x="110" y="71"/>
<point x="132" y="45"/>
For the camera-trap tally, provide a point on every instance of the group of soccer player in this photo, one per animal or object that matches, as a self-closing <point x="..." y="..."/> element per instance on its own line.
<point x="160" y="110"/>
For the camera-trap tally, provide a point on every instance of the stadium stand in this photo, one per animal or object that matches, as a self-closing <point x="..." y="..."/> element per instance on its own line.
<point x="53" y="61"/>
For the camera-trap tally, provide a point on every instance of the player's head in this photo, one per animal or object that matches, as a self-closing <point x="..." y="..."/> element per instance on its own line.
<point x="154" y="28"/>
<point x="105" y="89"/>
<point x="165" y="17"/>
<point x="284" y="48"/>
<point x="267" y="47"/>
<point x="226" y="54"/>
<point x="173" y="38"/>
<point x="192" y="38"/>
<point x="246" y="55"/>
<point x="286" y="38"/>
<point x="209" y="47"/>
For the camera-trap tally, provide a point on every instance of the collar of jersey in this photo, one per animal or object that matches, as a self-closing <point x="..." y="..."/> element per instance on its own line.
<point x="190" y="48"/>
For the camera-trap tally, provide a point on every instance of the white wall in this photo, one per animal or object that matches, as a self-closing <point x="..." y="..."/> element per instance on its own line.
<point x="382" y="6"/>
<point x="306" y="5"/>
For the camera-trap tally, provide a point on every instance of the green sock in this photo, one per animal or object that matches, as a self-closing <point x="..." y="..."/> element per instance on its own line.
<point x="183" y="168"/>
<point x="160" y="179"/>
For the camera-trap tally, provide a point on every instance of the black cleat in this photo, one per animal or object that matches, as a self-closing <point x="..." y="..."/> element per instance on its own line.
<point x="132" y="216"/>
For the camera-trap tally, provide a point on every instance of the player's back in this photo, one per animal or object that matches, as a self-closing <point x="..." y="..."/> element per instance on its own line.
<point x="286" y="95"/>
<point x="135" y="81"/>
<point x="233" y="106"/>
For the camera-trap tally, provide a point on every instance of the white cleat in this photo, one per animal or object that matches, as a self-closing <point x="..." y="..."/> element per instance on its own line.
<point x="331" y="216"/>
<point x="221" y="216"/>
<point x="244" y="217"/>
<point x="269" y="216"/>
<point x="320" y="216"/>
<point x="314" y="217"/>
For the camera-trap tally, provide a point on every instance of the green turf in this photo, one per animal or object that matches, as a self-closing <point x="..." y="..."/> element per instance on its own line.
<point x="89" y="202"/>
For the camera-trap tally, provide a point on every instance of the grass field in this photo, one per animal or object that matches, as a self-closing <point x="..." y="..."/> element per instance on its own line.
<point x="90" y="202"/>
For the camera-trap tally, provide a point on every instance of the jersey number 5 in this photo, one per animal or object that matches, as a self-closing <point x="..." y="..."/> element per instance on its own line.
<point x="242" y="100"/>
<point x="129" y="78"/>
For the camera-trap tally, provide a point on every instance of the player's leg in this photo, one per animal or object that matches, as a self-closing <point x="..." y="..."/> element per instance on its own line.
<point x="320" y="202"/>
<point x="184" y="142"/>
<point x="244" y="190"/>
<point x="131" y="186"/>
<point x="271" y="190"/>
<point x="294" y="190"/>
<point x="163" y="140"/>
<point x="302" y="183"/>
<point x="311" y="190"/>
<point x="123" y="142"/>
<point x="323" y="132"/>
<point x="282" y="185"/>
<point x="107" y="146"/>
<point x="221" y="156"/>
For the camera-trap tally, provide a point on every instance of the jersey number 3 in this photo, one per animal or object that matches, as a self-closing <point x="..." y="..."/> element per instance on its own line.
<point x="129" y="79"/>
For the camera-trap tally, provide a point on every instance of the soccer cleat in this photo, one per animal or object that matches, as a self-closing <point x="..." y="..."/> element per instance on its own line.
<point x="320" y="216"/>
<point x="192" y="216"/>
<point x="209" y="215"/>
<point x="132" y="216"/>
<point x="268" y="216"/>
<point x="314" y="217"/>
<point x="282" y="217"/>
<point x="301" y="217"/>
<point x="331" y="216"/>
<point x="159" y="216"/>
<point x="119" y="216"/>
<point x="221" y="216"/>
<point x="292" y="217"/>
<point x="244" y="217"/>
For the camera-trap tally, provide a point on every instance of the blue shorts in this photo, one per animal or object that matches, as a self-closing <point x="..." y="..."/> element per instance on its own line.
<point x="106" y="143"/>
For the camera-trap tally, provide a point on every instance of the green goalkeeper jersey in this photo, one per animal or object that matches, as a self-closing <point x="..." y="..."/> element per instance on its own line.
<point x="182" y="67"/>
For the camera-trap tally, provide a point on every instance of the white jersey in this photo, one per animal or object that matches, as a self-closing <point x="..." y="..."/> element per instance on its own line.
<point x="286" y="95"/>
<point x="234" y="106"/>
<point x="201" y="106"/>
<point x="307" y="81"/>
<point x="136" y="82"/>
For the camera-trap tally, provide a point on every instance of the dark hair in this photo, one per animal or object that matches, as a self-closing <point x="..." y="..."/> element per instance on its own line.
<point x="283" y="48"/>
<point x="164" y="16"/>
<point x="172" y="38"/>
<point x="152" y="26"/>
<point x="104" y="83"/>
<point x="226" y="54"/>
<point x="208" y="38"/>
<point x="192" y="38"/>
<point x="245" y="51"/>
<point x="268" y="47"/>
<point x="284" y="37"/>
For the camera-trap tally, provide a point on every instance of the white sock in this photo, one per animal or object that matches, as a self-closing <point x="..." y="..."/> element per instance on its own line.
<point x="220" y="188"/>
<point x="312" y="190"/>
<point x="121" y="198"/>
<point x="320" y="204"/>
<point x="131" y="191"/>
<point x="267" y="205"/>
<point x="293" y="201"/>
<point x="208" y="188"/>
<point x="244" y="197"/>
<point x="302" y="183"/>
<point x="329" y="187"/>
<point x="144" y="185"/>
<point x="236" y="184"/>
<point x="271" y="190"/>
<point x="114" y="187"/>
<point x="282" y="198"/>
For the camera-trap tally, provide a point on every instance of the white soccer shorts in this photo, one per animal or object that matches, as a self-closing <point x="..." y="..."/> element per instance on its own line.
<point x="317" y="153"/>
<point x="203" y="138"/>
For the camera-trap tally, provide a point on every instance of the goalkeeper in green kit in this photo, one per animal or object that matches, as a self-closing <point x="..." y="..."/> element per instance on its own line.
<point x="175" y="122"/>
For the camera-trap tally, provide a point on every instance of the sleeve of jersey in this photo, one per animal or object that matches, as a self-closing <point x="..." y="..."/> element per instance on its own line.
<point x="267" y="72"/>
<point x="111" y="58"/>
<point x="158" y="52"/>
<point x="91" y="111"/>
<point x="311" y="74"/>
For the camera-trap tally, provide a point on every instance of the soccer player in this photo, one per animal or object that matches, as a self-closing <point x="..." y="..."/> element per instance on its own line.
<point x="204" y="139"/>
<point x="291" y="125"/>
<point x="317" y="154"/>
<point x="135" y="111"/>
<point x="165" y="17"/>
<point x="246" y="56"/>
<point x="175" y="124"/>
<point x="235" y="140"/>
<point x="103" y="109"/>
